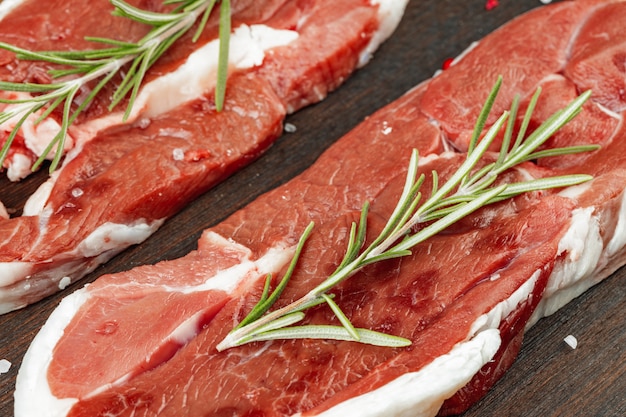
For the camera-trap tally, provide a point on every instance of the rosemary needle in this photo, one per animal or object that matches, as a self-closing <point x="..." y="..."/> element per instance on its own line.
<point x="467" y="190"/>
<point x="81" y="68"/>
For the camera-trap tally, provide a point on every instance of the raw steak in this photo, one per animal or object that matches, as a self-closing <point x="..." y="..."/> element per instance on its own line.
<point x="122" y="181"/>
<point x="464" y="297"/>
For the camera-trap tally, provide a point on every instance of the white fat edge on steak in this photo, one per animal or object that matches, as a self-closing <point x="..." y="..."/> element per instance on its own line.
<point x="194" y="77"/>
<point x="390" y="13"/>
<point x="20" y="166"/>
<point x="258" y="38"/>
<point x="248" y="45"/>
<point x="101" y="245"/>
<point x="197" y="75"/>
<point x="587" y="260"/>
<point x="4" y="214"/>
<point x="35" y="204"/>
<point x="36" y="136"/>
<point x="32" y="376"/>
<point x="421" y="393"/>
<point x="14" y="297"/>
<point x="30" y="384"/>
<point x="189" y="81"/>
<point x="7" y="5"/>
<point x="111" y="236"/>
<point x="12" y="272"/>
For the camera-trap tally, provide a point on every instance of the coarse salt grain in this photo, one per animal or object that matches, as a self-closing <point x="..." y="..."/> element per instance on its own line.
<point x="178" y="154"/>
<point x="65" y="281"/>
<point x="290" y="128"/>
<point x="571" y="341"/>
<point x="143" y="123"/>
<point x="77" y="192"/>
<point x="5" y="365"/>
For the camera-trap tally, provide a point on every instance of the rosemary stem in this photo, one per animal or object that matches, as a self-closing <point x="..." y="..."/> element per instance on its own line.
<point x="231" y="340"/>
<point x="468" y="189"/>
<point x="114" y="65"/>
<point x="182" y="24"/>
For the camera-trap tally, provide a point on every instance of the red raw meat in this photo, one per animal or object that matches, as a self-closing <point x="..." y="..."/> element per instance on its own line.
<point x="456" y="99"/>
<point x="118" y="187"/>
<point x="464" y="297"/>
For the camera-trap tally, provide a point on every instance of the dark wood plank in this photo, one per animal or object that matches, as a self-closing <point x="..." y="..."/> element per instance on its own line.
<point x="549" y="378"/>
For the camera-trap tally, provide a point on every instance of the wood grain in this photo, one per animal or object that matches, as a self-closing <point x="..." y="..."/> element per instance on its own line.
<point x="548" y="379"/>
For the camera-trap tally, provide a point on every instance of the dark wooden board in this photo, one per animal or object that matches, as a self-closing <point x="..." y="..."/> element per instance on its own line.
<point x="549" y="378"/>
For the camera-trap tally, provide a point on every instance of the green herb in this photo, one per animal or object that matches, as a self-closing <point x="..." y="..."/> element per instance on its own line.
<point x="467" y="190"/>
<point x="81" y="68"/>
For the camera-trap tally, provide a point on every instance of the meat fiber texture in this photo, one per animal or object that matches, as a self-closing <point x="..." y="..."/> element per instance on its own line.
<point x="122" y="180"/>
<point x="143" y="342"/>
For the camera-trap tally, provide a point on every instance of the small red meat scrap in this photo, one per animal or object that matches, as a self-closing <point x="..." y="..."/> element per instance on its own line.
<point x="491" y="4"/>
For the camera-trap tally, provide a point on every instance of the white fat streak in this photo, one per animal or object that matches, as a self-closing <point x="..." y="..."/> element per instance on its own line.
<point x="618" y="241"/>
<point x="500" y="312"/>
<point x="197" y="75"/>
<point x="20" y="166"/>
<point x="186" y="331"/>
<point x="37" y="137"/>
<point x="190" y="81"/>
<point x="390" y="13"/>
<point x="101" y="245"/>
<point x="229" y="279"/>
<point x="581" y="248"/>
<point x="610" y="112"/>
<point x="12" y="272"/>
<point x="4" y="214"/>
<point x="7" y="5"/>
<point x="249" y="43"/>
<point x="430" y="158"/>
<point x="576" y="191"/>
<point x="54" y="278"/>
<point x="112" y="236"/>
<point x="35" y="204"/>
<point x="32" y="377"/>
<point x="421" y="393"/>
<point x="587" y="260"/>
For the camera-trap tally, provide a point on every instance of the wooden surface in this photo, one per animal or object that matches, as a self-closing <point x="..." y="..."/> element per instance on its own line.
<point x="549" y="378"/>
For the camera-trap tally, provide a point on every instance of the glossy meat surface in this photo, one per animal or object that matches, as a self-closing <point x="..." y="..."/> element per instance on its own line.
<point x="435" y="297"/>
<point x="123" y="181"/>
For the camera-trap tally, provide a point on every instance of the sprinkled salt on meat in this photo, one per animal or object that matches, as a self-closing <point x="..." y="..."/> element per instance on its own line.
<point x="464" y="297"/>
<point x="123" y="180"/>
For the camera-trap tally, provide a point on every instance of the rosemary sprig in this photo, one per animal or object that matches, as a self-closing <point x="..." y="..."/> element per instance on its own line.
<point x="80" y="68"/>
<point x="467" y="190"/>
